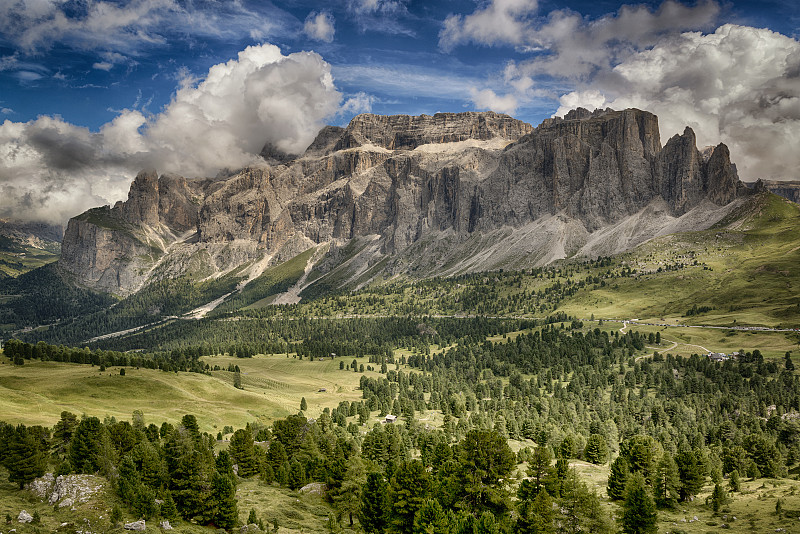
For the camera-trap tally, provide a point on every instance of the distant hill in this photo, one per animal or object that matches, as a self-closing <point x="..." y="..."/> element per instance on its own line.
<point x="27" y="245"/>
<point x="788" y="189"/>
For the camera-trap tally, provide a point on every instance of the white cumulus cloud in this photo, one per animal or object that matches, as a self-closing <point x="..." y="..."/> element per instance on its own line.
<point x="590" y="99"/>
<point x="320" y="26"/>
<point x="50" y="169"/>
<point x="499" y="22"/>
<point x="739" y="85"/>
<point x="359" y="103"/>
<point x="488" y="99"/>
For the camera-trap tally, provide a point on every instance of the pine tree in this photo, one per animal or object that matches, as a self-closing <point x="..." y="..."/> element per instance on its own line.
<point x="190" y="472"/>
<point x="431" y="519"/>
<point x="640" y="451"/>
<point x="690" y="472"/>
<point x="540" y="472"/>
<point x="189" y="422"/>
<point x="223" y="494"/>
<point x="242" y="452"/>
<point x="151" y="466"/>
<point x="486" y="524"/>
<point x="580" y="510"/>
<point x="116" y="516"/>
<point x="62" y="432"/>
<point x="224" y="464"/>
<point x="718" y="498"/>
<point x="267" y="474"/>
<point x="85" y="449"/>
<point x="666" y="482"/>
<point x="536" y="516"/>
<point x="296" y="475"/>
<point x="168" y="509"/>
<point x="252" y="518"/>
<point x="596" y="450"/>
<point x="734" y="483"/>
<point x="347" y="497"/>
<point x="374" y="504"/>
<point x="127" y="480"/>
<point x="639" y="514"/>
<point x="24" y="458"/>
<point x="144" y="501"/>
<point x="485" y="463"/>
<point x="618" y="479"/>
<point x="409" y="490"/>
<point x="303" y="404"/>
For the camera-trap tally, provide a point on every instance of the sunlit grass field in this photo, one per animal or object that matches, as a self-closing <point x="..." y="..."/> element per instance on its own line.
<point x="38" y="392"/>
<point x="747" y="272"/>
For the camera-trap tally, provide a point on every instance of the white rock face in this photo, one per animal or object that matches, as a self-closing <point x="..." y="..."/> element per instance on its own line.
<point x="136" y="525"/>
<point x="164" y="525"/>
<point x="66" y="490"/>
<point x="24" y="517"/>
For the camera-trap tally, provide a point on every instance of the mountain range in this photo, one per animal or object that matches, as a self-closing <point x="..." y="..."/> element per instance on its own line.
<point x="27" y="245"/>
<point x="426" y="195"/>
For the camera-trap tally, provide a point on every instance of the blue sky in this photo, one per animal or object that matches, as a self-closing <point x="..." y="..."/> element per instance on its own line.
<point x="92" y="90"/>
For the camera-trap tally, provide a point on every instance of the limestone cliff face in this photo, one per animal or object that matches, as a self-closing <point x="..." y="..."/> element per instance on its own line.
<point x="102" y="253"/>
<point x="152" y="201"/>
<point x="462" y="181"/>
<point x="115" y="249"/>
<point x="403" y="132"/>
<point x="788" y="189"/>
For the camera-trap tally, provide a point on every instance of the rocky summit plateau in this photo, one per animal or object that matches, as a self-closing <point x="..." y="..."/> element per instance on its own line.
<point x="426" y="195"/>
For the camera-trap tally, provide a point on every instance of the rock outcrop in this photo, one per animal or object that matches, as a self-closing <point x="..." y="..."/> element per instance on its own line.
<point x="136" y="525"/>
<point x="448" y="188"/>
<point x="788" y="189"/>
<point x="66" y="490"/>
<point x="404" y="132"/>
<point x="115" y="249"/>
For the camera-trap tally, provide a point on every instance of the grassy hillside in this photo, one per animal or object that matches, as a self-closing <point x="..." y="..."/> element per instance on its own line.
<point x="26" y="246"/>
<point x="745" y="270"/>
<point x="38" y="392"/>
<point x="294" y="512"/>
<point x="16" y="259"/>
<point x="261" y="291"/>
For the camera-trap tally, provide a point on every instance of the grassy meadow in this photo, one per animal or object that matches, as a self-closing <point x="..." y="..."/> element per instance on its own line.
<point x="38" y="392"/>
<point x="745" y="269"/>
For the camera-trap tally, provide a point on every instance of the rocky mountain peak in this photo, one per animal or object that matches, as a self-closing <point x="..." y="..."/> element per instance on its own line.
<point x="142" y="203"/>
<point x="420" y="197"/>
<point x="723" y="183"/>
<point x="404" y="132"/>
<point x="153" y="200"/>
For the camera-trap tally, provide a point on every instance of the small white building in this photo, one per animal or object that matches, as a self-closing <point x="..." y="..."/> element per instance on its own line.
<point x="390" y="418"/>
